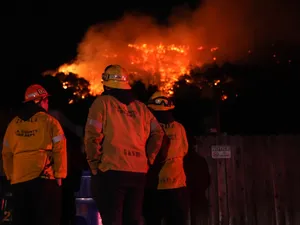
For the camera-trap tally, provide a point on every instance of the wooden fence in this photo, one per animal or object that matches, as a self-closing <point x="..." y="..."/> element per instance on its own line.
<point x="258" y="185"/>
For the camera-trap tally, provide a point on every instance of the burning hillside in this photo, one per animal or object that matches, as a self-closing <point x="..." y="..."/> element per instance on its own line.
<point x="159" y="54"/>
<point x="152" y="53"/>
<point x="160" y="65"/>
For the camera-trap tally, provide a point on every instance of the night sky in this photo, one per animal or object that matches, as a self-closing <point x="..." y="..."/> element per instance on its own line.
<point x="45" y="35"/>
<point x="41" y="36"/>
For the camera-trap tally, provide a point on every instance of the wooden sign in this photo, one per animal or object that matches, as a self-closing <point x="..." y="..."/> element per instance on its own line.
<point x="221" y="151"/>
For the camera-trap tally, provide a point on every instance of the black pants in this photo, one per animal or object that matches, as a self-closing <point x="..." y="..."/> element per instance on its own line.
<point x="69" y="186"/>
<point x="68" y="213"/>
<point x="36" y="202"/>
<point x="199" y="208"/>
<point x="119" y="197"/>
<point x="171" y="205"/>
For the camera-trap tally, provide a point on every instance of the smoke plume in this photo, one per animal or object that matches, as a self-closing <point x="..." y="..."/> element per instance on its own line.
<point x="234" y="26"/>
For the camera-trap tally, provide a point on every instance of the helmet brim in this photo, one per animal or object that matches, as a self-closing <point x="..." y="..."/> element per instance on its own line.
<point x="43" y="97"/>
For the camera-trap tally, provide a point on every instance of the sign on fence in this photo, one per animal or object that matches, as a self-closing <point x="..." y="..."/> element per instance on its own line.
<point x="221" y="151"/>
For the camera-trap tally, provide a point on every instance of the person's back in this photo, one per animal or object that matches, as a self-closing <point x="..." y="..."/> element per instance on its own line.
<point x="34" y="160"/>
<point x="123" y="148"/>
<point x="172" y="174"/>
<point x="121" y="138"/>
<point x="32" y="148"/>
<point x="169" y="199"/>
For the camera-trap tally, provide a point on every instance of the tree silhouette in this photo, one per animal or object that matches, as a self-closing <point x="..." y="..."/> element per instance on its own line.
<point x="245" y="92"/>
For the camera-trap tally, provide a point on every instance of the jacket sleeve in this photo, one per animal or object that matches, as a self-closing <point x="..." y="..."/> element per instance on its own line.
<point x="155" y="140"/>
<point x="59" y="150"/>
<point x="94" y="133"/>
<point x="163" y="152"/>
<point x="7" y="155"/>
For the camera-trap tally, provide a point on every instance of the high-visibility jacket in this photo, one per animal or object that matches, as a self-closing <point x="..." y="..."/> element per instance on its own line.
<point x="34" y="148"/>
<point x="121" y="137"/>
<point x="172" y="174"/>
<point x="153" y="172"/>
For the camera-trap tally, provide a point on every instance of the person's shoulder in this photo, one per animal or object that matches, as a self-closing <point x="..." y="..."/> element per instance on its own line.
<point x="178" y="124"/>
<point x="12" y="122"/>
<point x="143" y="107"/>
<point x="47" y="117"/>
<point x="104" y="98"/>
<point x="140" y="104"/>
<point x="99" y="101"/>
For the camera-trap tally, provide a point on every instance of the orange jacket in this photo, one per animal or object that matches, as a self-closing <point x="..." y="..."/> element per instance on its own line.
<point x="121" y="137"/>
<point x="33" y="148"/>
<point x="172" y="174"/>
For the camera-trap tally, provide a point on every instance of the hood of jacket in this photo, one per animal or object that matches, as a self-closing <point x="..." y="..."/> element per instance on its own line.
<point x="28" y="110"/>
<point x="164" y="117"/>
<point x="124" y="96"/>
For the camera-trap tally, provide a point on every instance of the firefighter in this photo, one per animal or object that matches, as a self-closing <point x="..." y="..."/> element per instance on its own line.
<point x="169" y="200"/>
<point x="121" y="138"/>
<point x="34" y="161"/>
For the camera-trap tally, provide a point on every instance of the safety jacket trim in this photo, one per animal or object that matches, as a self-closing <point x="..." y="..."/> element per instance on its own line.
<point x="95" y="123"/>
<point x="5" y="143"/>
<point x="58" y="138"/>
<point x="153" y="125"/>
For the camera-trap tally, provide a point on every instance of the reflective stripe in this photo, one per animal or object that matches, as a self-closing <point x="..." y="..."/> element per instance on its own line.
<point x="58" y="138"/>
<point x="95" y="123"/>
<point x="5" y="143"/>
<point x="153" y="126"/>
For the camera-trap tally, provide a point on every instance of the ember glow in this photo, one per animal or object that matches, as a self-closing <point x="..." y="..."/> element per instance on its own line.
<point x="169" y="62"/>
<point x="159" y="65"/>
<point x="159" y="54"/>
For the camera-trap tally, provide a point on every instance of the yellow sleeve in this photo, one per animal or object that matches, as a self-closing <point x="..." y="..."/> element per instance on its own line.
<point x="59" y="151"/>
<point x="155" y="139"/>
<point x="7" y="154"/>
<point x="184" y="140"/>
<point x="94" y="133"/>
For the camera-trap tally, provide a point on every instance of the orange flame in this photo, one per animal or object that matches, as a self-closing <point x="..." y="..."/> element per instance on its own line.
<point x="169" y="61"/>
<point x="159" y="65"/>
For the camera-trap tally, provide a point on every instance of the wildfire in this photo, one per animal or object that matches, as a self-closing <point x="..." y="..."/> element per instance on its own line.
<point x="82" y="70"/>
<point x="159" y="65"/>
<point x="168" y="61"/>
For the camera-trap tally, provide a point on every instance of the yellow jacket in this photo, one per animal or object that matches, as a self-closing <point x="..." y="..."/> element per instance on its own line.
<point x="121" y="137"/>
<point x="172" y="173"/>
<point x="34" y="148"/>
